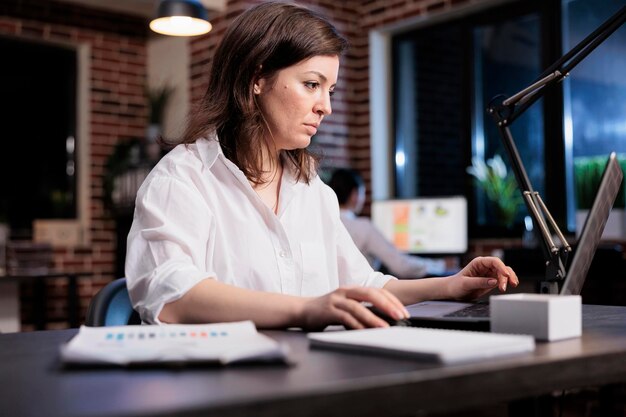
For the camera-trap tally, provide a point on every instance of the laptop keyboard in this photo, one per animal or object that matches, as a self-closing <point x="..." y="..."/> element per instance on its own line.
<point x="475" y="310"/>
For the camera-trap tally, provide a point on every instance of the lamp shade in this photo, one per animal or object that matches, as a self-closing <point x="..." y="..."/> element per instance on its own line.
<point x="181" y="18"/>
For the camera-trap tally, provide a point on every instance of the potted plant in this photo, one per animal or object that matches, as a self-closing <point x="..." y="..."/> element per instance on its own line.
<point x="158" y="98"/>
<point x="499" y="186"/>
<point x="587" y="174"/>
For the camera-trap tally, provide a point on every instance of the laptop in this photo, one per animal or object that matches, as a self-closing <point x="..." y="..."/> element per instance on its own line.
<point x="475" y="316"/>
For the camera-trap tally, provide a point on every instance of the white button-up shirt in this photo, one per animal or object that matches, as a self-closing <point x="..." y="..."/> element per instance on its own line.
<point x="197" y="217"/>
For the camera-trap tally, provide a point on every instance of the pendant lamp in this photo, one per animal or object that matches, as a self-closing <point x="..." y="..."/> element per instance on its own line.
<point x="181" y="18"/>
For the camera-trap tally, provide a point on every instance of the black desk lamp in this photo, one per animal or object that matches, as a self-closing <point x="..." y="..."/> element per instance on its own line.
<point x="506" y="110"/>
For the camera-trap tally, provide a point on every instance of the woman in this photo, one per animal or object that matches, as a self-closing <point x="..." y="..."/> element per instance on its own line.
<point x="235" y="224"/>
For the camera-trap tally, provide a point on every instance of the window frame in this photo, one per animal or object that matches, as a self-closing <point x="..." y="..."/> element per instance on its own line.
<point x="73" y="231"/>
<point x="553" y="105"/>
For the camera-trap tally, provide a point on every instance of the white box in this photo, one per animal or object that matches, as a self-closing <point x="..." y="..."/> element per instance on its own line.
<point x="546" y="316"/>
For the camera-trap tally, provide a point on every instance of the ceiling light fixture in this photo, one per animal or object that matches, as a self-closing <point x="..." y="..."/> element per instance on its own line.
<point x="181" y="18"/>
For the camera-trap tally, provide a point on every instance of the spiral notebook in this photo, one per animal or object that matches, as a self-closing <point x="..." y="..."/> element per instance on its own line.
<point x="435" y="345"/>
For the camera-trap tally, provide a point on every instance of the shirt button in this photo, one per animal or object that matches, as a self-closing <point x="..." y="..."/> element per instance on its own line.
<point x="282" y="254"/>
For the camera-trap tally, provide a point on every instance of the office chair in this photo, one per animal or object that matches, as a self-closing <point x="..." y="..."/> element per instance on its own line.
<point x="111" y="306"/>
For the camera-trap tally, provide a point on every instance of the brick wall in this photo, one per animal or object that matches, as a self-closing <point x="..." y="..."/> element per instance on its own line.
<point x="117" y="111"/>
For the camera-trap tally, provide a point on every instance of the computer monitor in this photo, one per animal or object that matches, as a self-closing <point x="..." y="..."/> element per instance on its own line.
<point x="425" y="225"/>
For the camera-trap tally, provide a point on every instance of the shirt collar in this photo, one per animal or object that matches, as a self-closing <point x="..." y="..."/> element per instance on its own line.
<point x="209" y="150"/>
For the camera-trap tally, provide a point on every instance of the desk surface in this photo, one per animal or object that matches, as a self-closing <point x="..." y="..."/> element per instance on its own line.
<point x="320" y="383"/>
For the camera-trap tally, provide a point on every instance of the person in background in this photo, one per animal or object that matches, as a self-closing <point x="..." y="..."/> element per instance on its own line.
<point x="350" y="189"/>
<point x="235" y="224"/>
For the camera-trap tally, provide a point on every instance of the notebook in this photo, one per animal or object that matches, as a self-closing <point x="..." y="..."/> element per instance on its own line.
<point x="475" y="316"/>
<point x="434" y="345"/>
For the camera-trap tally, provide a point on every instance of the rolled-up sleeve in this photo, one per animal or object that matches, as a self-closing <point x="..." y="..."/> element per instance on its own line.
<point x="168" y="245"/>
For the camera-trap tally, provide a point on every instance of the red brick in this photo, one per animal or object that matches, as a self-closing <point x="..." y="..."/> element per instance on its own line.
<point x="9" y="27"/>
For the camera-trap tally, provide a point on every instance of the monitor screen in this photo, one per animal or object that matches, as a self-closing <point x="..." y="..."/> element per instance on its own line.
<point x="435" y="225"/>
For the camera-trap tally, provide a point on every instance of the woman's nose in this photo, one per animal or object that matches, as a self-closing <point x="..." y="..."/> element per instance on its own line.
<point x="323" y="106"/>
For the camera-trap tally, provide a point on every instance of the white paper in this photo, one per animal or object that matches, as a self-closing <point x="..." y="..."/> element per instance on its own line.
<point x="445" y="346"/>
<point x="219" y="343"/>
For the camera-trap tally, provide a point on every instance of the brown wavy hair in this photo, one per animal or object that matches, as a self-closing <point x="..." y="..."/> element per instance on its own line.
<point x="259" y="43"/>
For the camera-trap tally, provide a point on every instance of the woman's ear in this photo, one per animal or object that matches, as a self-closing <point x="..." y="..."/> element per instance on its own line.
<point x="259" y="85"/>
<point x="258" y="82"/>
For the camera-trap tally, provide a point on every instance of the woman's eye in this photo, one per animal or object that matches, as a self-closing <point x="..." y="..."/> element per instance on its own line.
<point x="312" y="84"/>
<point x="331" y="93"/>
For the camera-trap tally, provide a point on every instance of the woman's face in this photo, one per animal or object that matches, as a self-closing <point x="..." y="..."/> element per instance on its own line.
<point x="296" y="99"/>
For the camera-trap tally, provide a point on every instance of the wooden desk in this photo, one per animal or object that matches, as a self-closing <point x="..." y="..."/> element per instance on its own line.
<point x="9" y="296"/>
<point x="320" y="383"/>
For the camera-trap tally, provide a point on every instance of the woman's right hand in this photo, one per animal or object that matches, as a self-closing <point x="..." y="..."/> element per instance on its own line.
<point x="344" y="306"/>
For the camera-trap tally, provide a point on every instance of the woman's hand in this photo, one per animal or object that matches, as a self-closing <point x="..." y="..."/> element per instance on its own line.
<point x="479" y="277"/>
<point x="343" y="306"/>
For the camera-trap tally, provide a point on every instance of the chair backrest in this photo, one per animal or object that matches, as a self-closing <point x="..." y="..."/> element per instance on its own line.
<point x="111" y="306"/>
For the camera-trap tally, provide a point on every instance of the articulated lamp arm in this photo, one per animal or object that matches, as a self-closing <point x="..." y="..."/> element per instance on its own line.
<point x="506" y="110"/>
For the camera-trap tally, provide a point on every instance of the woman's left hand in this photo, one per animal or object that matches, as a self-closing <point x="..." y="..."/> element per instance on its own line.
<point x="479" y="277"/>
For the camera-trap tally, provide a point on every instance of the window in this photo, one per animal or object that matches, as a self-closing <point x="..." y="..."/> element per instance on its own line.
<point x="428" y="113"/>
<point x="506" y="59"/>
<point x="444" y="78"/>
<point x="446" y="74"/>
<point x="594" y="96"/>
<point x="38" y="90"/>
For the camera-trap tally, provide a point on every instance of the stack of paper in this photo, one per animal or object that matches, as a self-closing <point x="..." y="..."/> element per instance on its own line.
<point x="220" y="343"/>
<point x="445" y="346"/>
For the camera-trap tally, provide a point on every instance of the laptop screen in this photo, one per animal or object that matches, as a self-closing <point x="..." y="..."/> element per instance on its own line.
<point x="434" y="225"/>
<point x="594" y="226"/>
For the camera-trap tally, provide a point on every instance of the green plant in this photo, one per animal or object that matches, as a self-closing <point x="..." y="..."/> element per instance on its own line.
<point x="125" y="156"/>
<point x="157" y="100"/>
<point x="587" y="174"/>
<point x="499" y="186"/>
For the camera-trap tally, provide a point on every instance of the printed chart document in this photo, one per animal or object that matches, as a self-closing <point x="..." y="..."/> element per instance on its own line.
<point x="444" y="346"/>
<point x="220" y="343"/>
